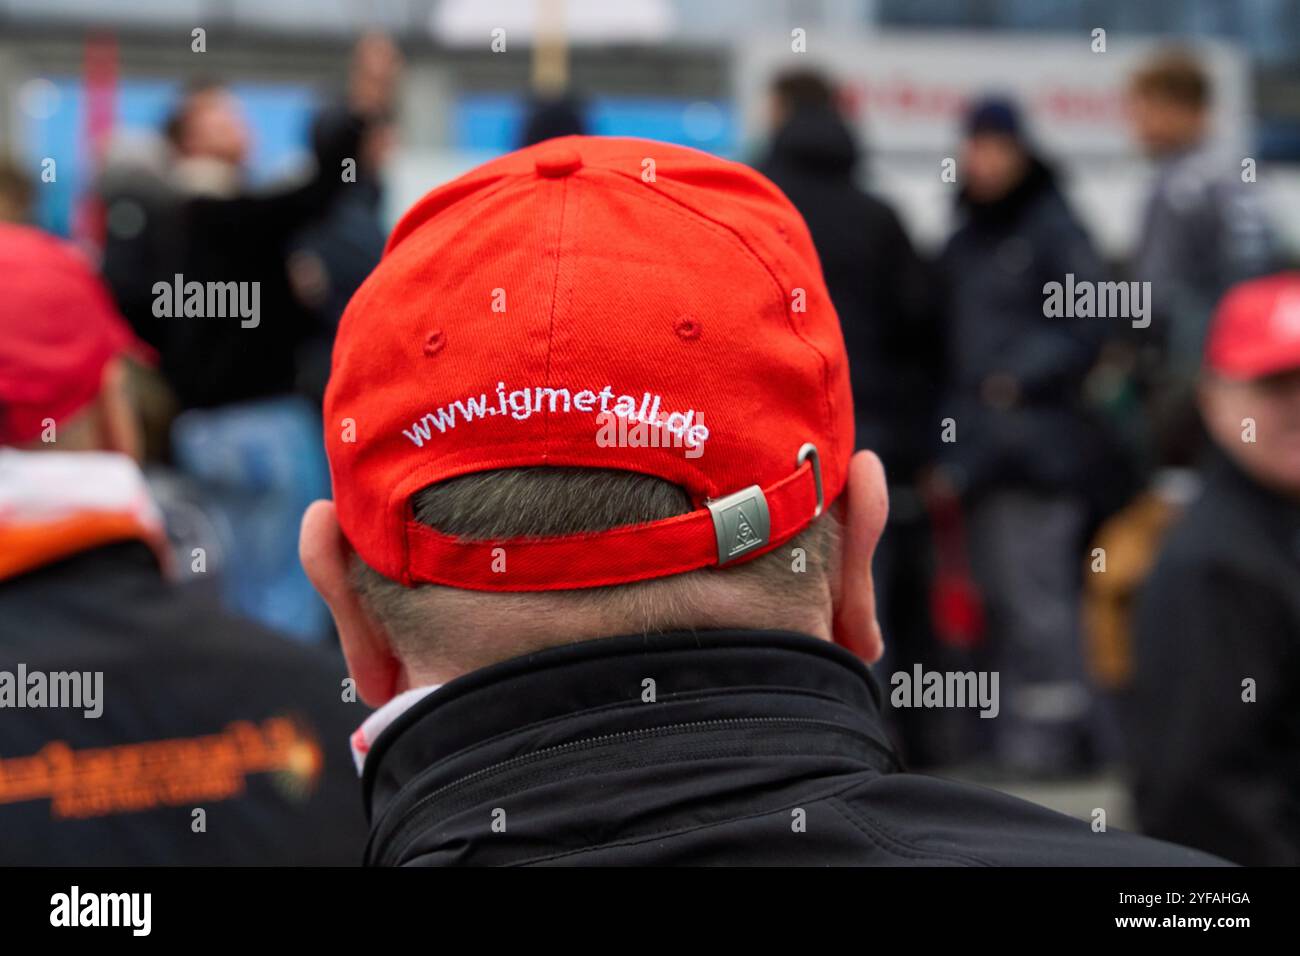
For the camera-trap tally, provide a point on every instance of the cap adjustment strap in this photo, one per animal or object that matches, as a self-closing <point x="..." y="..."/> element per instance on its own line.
<point x="736" y="527"/>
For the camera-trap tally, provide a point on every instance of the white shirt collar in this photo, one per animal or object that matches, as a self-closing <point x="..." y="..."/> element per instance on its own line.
<point x="363" y="738"/>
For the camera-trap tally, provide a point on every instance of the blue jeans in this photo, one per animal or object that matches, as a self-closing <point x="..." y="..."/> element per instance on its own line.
<point x="258" y="465"/>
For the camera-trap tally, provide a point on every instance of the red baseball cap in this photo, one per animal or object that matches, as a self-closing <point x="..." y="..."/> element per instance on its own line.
<point x="591" y="302"/>
<point x="1256" y="328"/>
<point x="59" y="329"/>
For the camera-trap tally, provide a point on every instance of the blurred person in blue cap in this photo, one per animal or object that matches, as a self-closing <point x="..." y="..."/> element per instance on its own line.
<point x="1025" y="449"/>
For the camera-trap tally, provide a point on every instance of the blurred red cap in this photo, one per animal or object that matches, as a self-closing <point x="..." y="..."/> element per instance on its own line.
<point x="1256" y="328"/>
<point x="59" y="329"/>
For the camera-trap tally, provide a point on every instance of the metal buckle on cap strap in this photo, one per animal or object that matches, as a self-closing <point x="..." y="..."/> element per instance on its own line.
<point x="742" y="521"/>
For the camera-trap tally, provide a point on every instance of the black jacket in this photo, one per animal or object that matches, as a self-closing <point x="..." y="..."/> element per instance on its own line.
<point x="246" y="238"/>
<point x="1222" y="605"/>
<point x="348" y="243"/>
<point x="758" y="748"/>
<point x="994" y="267"/>
<point x="881" y="289"/>
<point x="199" y="710"/>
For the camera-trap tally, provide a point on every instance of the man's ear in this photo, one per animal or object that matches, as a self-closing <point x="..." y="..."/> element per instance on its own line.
<point x="866" y="506"/>
<point x="324" y="553"/>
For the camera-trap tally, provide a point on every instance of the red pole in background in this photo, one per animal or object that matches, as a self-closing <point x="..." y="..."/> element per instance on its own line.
<point x="100" y="86"/>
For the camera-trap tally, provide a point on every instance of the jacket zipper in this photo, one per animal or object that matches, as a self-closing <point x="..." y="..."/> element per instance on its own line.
<point x="414" y="816"/>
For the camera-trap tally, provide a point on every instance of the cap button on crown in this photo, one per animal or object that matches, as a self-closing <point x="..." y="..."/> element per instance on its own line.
<point x="557" y="162"/>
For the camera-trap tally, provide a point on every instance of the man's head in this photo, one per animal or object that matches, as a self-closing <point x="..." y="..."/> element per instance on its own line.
<point x="994" y="158"/>
<point x="796" y="91"/>
<point x="209" y="124"/>
<point x="1169" y="102"/>
<point x="375" y="74"/>
<point x="62" y="376"/>
<point x="595" y="387"/>
<point x="1250" y="391"/>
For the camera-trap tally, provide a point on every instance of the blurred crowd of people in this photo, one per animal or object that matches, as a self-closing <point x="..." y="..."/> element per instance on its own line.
<point x="1040" y="465"/>
<point x="1074" y="501"/>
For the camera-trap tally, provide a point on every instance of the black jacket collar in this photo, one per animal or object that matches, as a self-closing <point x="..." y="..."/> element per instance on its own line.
<point x="598" y="688"/>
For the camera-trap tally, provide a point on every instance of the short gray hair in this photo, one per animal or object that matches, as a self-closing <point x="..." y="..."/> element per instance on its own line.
<point x="545" y="501"/>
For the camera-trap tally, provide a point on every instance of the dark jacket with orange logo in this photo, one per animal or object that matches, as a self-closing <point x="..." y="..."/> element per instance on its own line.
<point x="201" y="711"/>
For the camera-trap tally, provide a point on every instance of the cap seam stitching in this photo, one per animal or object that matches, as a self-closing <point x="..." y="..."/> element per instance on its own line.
<point x="550" y="331"/>
<point x="735" y="235"/>
<point x="474" y="200"/>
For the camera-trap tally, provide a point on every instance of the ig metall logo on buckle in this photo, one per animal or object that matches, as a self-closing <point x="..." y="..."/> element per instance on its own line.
<point x="741" y="522"/>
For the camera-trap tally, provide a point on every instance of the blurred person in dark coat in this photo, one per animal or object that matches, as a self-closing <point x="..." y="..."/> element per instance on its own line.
<point x="244" y="435"/>
<point x="882" y="293"/>
<point x="1204" y="227"/>
<point x="332" y="257"/>
<point x="142" y="235"/>
<point x="142" y="245"/>
<point x="879" y="285"/>
<point x="230" y="232"/>
<point x="247" y="434"/>
<point x="1021" y="448"/>
<point x="189" y="736"/>
<point x="1214" y="709"/>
